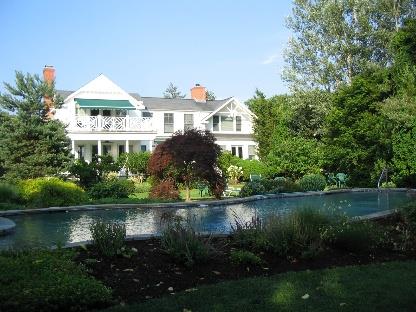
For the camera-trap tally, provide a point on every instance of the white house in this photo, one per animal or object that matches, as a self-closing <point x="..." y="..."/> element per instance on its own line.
<point x="102" y="118"/>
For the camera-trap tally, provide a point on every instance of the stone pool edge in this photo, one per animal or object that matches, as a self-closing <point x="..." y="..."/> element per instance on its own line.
<point x="201" y="204"/>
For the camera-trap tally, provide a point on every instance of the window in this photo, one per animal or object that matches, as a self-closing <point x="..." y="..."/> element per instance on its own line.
<point x="81" y="151"/>
<point x="188" y="121"/>
<point x="147" y="114"/>
<point x="227" y="123"/>
<point x="237" y="151"/>
<point x="121" y="113"/>
<point x="94" y="151"/>
<point x="95" y="112"/>
<point x="238" y="123"/>
<point x="143" y="148"/>
<point x="107" y="149"/>
<point x="216" y="123"/>
<point x="121" y="150"/>
<point x="168" y="117"/>
<point x="106" y="112"/>
<point x="251" y="152"/>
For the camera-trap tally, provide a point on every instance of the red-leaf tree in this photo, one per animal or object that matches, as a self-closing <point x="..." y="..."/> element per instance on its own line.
<point x="186" y="158"/>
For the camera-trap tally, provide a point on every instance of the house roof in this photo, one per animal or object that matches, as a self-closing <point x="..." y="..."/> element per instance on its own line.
<point x="156" y="103"/>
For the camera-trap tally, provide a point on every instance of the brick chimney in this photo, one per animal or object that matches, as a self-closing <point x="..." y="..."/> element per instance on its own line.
<point x="198" y="93"/>
<point x="49" y="74"/>
<point x="49" y="78"/>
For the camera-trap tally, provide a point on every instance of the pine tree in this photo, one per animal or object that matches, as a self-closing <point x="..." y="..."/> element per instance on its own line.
<point x="172" y="92"/>
<point x="31" y="144"/>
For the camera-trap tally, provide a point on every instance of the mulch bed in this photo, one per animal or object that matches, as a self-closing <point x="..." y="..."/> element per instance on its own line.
<point x="151" y="273"/>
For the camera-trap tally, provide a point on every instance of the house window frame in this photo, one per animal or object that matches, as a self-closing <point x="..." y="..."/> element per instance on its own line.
<point x="237" y="150"/>
<point x="166" y="125"/>
<point x="188" y="125"/>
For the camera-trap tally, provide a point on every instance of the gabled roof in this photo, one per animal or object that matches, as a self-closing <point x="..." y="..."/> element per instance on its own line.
<point x="156" y="103"/>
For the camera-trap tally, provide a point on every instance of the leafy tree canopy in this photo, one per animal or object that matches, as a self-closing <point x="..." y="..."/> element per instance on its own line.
<point x="189" y="157"/>
<point x="210" y="95"/>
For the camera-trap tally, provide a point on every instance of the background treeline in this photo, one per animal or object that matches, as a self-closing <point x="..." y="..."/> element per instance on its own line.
<point x="359" y="124"/>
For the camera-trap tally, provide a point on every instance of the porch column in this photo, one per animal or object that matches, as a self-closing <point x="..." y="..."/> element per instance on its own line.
<point x="73" y="149"/>
<point x="127" y="146"/>
<point x="100" y="152"/>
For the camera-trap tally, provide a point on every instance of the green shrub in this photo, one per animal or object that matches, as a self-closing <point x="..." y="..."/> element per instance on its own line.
<point x="165" y="189"/>
<point x="244" y="257"/>
<point x="249" y="166"/>
<point x="180" y="240"/>
<point x="252" y="188"/>
<point x="39" y="280"/>
<point x="270" y="186"/>
<point x="141" y="187"/>
<point x="249" y="234"/>
<point x="312" y="182"/>
<point x="108" y="238"/>
<point x="134" y="162"/>
<point x="388" y="185"/>
<point x="354" y="236"/>
<point x="48" y="192"/>
<point x="9" y="193"/>
<point x="296" y="234"/>
<point x="114" y="188"/>
<point x="408" y="214"/>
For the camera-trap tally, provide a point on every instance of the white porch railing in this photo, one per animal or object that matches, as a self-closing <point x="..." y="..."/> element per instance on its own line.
<point x="104" y="123"/>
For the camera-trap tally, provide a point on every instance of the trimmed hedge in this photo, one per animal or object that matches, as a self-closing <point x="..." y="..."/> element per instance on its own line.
<point x="49" y="192"/>
<point x="39" y="280"/>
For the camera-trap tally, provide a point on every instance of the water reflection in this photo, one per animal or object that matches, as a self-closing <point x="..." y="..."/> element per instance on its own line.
<point x="51" y="229"/>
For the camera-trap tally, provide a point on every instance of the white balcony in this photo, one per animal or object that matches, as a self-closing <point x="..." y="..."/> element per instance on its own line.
<point x="111" y="124"/>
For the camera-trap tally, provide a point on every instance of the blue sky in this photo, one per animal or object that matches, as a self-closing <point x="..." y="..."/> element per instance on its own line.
<point x="231" y="47"/>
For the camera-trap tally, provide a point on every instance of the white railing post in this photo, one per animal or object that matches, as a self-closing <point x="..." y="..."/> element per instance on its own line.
<point x="99" y="123"/>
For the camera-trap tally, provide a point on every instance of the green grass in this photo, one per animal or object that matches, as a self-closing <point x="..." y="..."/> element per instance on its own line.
<point x="380" y="287"/>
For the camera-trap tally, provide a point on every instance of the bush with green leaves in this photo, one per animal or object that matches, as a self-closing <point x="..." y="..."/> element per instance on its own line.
<point x="389" y="184"/>
<point x="297" y="233"/>
<point x="113" y="188"/>
<point x="234" y="173"/>
<point x="135" y="163"/>
<point x="252" y="188"/>
<point x="244" y="257"/>
<point x="49" y="192"/>
<point x="108" y="237"/>
<point x="9" y="193"/>
<point x="353" y="236"/>
<point x="181" y="241"/>
<point x="249" y="166"/>
<point x="408" y="214"/>
<point x="43" y="280"/>
<point x="312" y="182"/>
<point x="249" y="234"/>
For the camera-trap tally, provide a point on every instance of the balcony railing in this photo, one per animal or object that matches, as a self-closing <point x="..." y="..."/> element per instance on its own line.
<point x="104" y="123"/>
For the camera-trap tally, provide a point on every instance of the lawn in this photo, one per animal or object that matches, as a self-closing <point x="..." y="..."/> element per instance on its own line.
<point x="377" y="287"/>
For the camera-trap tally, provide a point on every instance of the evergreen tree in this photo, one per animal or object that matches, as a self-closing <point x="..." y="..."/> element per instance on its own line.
<point x="31" y="144"/>
<point x="210" y="95"/>
<point x="172" y="92"/>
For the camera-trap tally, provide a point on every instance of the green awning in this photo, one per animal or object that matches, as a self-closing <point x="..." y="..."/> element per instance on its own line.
<point x="110" y="104"/>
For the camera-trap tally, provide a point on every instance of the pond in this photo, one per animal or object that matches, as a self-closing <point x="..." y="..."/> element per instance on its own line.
<point x="48" y="229"/>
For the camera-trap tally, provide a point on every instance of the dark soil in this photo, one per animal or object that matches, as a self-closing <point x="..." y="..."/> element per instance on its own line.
<point x="151" y="273"/>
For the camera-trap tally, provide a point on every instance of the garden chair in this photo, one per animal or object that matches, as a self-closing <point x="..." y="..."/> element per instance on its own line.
<point x="341" y="179"/>
<point x="203" y="189"/>
<point x="255" y="177"/>
<point x="231" y="191"/>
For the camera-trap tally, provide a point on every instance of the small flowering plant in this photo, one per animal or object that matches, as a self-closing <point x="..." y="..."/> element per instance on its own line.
<point x="234" y="173"/>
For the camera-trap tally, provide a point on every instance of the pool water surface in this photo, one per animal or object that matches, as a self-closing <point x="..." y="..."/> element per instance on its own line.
<point x="48" y="229"/>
